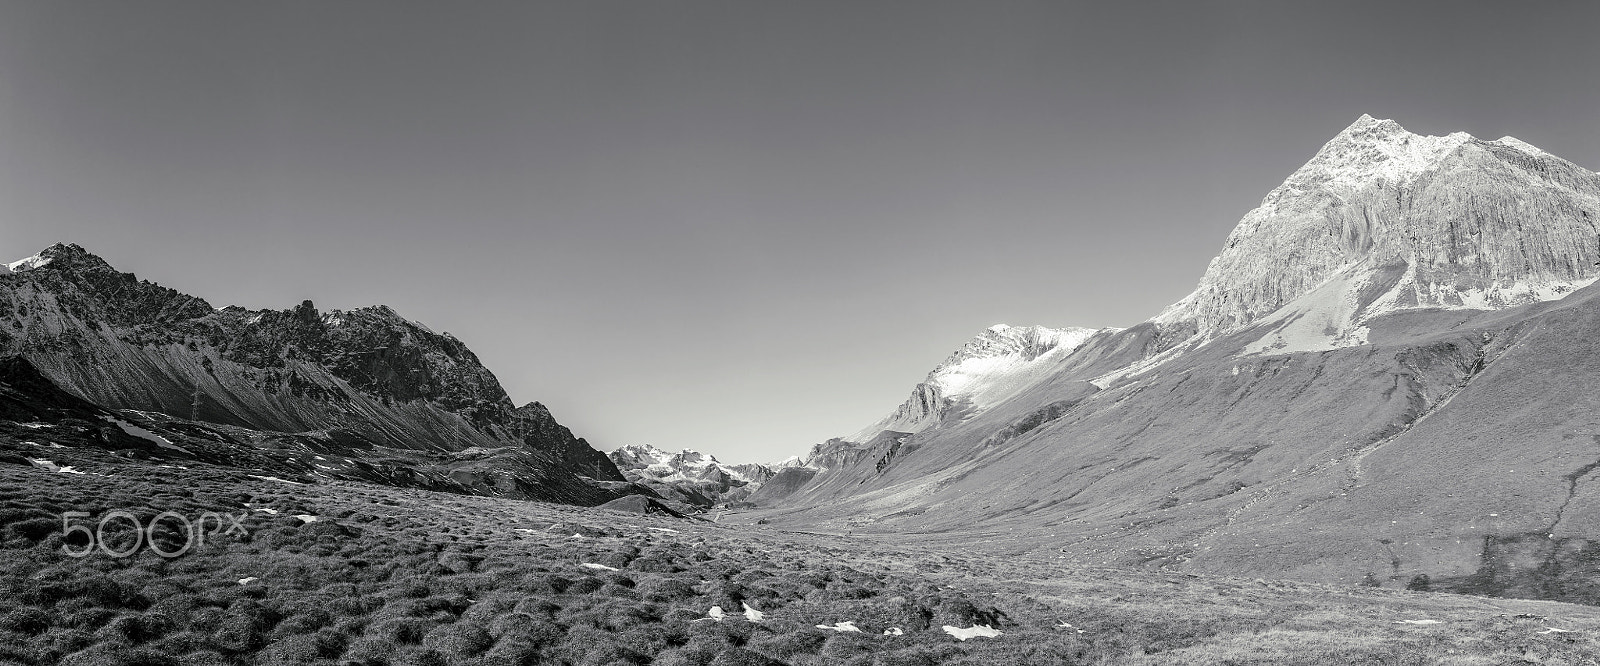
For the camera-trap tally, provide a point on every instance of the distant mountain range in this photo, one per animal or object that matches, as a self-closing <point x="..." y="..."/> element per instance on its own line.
<point x="389" y="399"/>
<point x="1389" y="369"/>
<point x="694" y="480"/>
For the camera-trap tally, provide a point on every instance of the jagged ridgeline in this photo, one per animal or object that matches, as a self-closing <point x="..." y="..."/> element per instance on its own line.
<point x="366" y="374"/>
<point x="1388" y="372"/>
<point x="690" y="480"/>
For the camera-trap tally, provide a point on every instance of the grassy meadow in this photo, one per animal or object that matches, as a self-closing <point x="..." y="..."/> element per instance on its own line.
<point x="348" y="573"/>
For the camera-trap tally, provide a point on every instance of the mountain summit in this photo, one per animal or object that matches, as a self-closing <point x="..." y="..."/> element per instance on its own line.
<point x="1381" y="219"/>
<point x="1384" y="374"/>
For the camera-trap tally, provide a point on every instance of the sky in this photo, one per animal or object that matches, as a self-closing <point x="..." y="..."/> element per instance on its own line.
<point x="738" y="227"/>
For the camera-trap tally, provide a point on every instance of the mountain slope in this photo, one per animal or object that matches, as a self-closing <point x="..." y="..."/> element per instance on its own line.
<point x="123" y="343"/>
<point x="998" y="364"/>
<point x="1385" y="371"/>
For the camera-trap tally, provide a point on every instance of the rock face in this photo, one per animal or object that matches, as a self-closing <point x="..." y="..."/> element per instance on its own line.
<point x="41" y="420"/>
<point x="1387" y="370"/>
<point x="1412" y="222"/>
<point x="124" y="343"/>
<point x="689" y="477"/>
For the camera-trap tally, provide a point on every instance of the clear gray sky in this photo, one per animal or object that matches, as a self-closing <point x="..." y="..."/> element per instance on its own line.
<point x="741" y="227"/>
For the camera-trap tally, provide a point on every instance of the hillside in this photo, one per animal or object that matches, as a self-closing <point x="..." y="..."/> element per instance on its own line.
<point x="357" y="379"/>
<point x="1384" y="372"/>
<point x="357" y="573"/>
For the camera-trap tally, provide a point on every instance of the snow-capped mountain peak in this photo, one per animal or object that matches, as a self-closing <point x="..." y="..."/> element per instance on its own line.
<point x="694" y="479"/>
<point x="997" y="364"/>
<point x="59" y="255"/>
<point x="687" y="464"/>
<point x="1391" y="220"/>
<point x="791" y="461"/>
<point x="1372" y="150"/>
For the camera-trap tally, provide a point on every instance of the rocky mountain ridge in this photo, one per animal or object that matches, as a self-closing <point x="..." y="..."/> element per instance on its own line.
<point x="128" y="344"/>
<point x="695" y="480"/>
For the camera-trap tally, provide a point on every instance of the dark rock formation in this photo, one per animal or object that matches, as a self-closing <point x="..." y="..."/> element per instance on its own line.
<point x="125" y="343"/>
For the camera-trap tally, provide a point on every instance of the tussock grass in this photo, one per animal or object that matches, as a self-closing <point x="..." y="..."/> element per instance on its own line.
<point x="393" y="576"/>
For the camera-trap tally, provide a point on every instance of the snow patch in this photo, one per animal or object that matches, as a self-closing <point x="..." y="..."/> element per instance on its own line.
<point x="274" y="478"/>
<point x="975" y="631"/>
<point x="48" y="466"/>
<point x="597" y="567"/>
<point x="146" y="435"/>
<point x="1068" y="625"/>
<point x="28" y="264"/>
<point x="715" y="614"/>
<point x="841" y="626"/>
<point x="753" y="615"/>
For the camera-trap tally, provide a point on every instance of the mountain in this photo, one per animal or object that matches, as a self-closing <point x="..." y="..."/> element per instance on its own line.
<point x="1387" y="370"/>
<point x="364" y="376"/>
<point x="696" y="480"/>
<point x="991" y="368"/>
<point x="1383" y="220"/>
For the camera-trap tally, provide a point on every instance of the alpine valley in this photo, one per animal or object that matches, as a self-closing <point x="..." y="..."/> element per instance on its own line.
<point x="1389" y="374"/>
<point x="1388" y="378"/>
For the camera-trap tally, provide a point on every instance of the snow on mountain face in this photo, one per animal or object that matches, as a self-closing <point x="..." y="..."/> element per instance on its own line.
<point x="694" y="479"/>
<point x="685" y="465"/>
<point x="992" y="367"/>
<point x="27" y="264"/>
<point x="1383" y="220"/>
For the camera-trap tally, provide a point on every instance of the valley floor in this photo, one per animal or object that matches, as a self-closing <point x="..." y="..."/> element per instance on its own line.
<point x="346" y="573"/>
